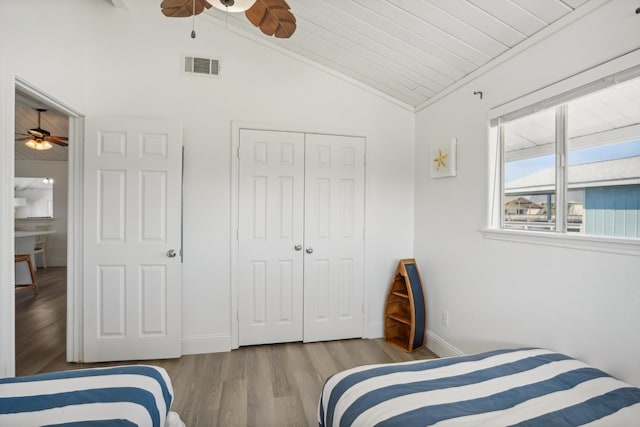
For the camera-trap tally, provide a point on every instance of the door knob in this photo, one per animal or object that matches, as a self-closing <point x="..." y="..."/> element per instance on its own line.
<point x="309" y="250"/>
<point x="171" y="253"/>
<point x="298" y="247"/>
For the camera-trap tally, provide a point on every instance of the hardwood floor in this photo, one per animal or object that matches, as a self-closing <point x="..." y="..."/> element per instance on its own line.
<point x="41" y="322"/>
<point x="269" y="385"/>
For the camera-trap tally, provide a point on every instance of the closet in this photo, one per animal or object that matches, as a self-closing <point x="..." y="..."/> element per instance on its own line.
<point x="300" y="236"/>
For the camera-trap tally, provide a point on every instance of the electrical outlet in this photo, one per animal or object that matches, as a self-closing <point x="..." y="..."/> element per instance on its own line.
<point x="445" y="318"/>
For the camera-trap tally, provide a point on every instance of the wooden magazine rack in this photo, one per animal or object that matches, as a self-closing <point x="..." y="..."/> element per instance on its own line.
<point x="405" y="314"/>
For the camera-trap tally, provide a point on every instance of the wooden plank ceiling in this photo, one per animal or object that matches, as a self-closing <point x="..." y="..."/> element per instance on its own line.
<point x="409" y="50"/>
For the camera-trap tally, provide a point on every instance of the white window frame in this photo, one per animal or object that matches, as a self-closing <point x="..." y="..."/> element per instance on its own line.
<point x="616" y="71"/>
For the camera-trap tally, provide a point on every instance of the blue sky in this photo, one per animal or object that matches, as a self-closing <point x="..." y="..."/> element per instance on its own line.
<point x="519" y="168"/>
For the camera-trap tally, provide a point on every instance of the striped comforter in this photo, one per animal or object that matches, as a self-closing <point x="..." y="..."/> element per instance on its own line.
<point x="527" y="387"/>
<point x="116" y="396"/>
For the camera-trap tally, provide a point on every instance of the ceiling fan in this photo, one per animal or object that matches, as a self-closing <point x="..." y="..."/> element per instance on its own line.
<point x="273" y="17"/>
<point x="40" y="139"/>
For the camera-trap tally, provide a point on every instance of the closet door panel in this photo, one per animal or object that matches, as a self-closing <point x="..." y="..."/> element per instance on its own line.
<point x="271" y="197"/>
<point x="334" y="237"/>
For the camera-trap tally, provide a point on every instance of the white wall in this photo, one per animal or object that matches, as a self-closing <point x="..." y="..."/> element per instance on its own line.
<point x="497" y="293"/>
<point x="105" y="61"/>
<point x="57" y="242"/>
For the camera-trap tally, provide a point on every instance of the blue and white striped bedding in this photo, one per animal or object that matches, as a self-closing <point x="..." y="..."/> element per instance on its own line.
<point x="137" y="395"/>
<point x="526" y="387"/>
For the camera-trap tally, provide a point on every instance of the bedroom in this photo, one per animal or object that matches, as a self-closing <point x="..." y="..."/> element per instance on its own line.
<point x="585" y="306"/>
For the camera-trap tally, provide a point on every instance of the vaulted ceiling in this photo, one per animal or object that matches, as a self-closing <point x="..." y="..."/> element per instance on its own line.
<point x="409" y="50"/>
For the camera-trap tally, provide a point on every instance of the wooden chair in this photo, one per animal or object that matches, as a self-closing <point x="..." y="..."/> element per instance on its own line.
<point x="21" y="287"/>
<point x="39" y="242"/>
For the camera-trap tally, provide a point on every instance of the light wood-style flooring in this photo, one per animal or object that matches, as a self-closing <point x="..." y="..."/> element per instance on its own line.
<point x="269" y="385"/>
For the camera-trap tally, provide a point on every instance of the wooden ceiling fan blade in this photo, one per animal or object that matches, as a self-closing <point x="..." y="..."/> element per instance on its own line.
<point x="273" y="17"/>
<point x="285" y="30"/>
<point x="24" y="138"/>
<point x="256" y="13"/>
<point x="58" y="140"/>
<point x="183" y="8"/>
<point x="61" y="141"/>
<point x="286" y="23"/>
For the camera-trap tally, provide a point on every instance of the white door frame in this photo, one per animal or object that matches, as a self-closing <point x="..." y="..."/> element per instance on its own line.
<point x="235" y="189"/>
<point x="9" y="82"/>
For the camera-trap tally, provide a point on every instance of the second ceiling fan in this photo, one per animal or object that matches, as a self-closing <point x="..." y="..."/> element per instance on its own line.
<point x="41" y="139"/>
<point x="273" y="17"/>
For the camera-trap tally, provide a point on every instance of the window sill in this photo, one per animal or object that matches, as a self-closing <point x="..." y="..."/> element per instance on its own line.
<point x="581" y="242"/>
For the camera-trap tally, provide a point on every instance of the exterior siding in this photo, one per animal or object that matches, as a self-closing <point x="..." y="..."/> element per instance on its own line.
<point x="613" y="211"/>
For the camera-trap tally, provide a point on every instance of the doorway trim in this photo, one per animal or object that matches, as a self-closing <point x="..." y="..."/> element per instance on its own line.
<point x="9" y="83"/>
<point x="236" y="126"/>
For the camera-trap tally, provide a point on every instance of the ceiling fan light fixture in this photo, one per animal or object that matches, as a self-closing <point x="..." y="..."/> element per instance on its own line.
<point x="41" y="145"/>
<point x="233" y="5"/>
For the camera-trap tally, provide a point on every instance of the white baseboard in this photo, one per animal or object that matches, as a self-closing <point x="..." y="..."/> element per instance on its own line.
<point x="441" y="347"/>
<point x="374" y="330"/>
<point x="219" y="343"/>
<point x="200" y="344"/>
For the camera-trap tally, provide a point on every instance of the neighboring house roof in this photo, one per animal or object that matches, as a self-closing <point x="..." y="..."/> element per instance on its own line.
<point x="598" y="174"/>
<point x="522" y="202"/>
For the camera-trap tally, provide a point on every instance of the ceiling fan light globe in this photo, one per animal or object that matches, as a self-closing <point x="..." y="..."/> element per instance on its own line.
<point x="237" y="6"/>
<point x="38" y="145"/>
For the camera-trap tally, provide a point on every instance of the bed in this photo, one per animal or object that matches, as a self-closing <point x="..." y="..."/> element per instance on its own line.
<point x="132" y="395"/>
<point x="524" y="387"/>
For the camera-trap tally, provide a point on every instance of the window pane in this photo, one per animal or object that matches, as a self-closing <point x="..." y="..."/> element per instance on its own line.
<point x="529" y="172"/>
<point x="604" y="162"/>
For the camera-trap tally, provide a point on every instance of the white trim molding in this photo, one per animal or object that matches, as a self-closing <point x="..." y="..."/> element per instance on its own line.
<point x="374" y="330"/>
<point x="7" y="270"/>
<point x="441" y="347"/>
<point x="572" y="241"/>
<point x="200" y="344"/>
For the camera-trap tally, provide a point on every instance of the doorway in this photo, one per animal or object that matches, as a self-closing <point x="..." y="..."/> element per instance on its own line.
<point x="41" y="195"/>
<point x="10" y="83"/>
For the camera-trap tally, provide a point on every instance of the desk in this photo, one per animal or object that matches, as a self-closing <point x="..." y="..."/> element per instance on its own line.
<point x="24" y="243"/>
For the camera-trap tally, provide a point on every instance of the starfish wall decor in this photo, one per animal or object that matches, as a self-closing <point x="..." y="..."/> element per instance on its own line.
<point x="443" y="157"/>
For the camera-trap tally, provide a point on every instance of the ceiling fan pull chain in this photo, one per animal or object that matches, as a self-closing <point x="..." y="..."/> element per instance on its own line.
<point x="193" y="20"/>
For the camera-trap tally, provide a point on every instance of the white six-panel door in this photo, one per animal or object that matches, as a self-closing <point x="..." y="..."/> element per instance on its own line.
<point x="300" y="237"/>
<point x="334" y="237"/>
<point x="271" y="185"/>
<point x="132" y="270"/>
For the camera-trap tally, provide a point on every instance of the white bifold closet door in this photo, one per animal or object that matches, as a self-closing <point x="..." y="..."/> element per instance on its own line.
<point x="301" y="237"/>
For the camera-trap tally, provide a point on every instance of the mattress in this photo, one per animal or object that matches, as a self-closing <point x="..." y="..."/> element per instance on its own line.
<point x="136" y="395"/>
<point x="524" y="387"/>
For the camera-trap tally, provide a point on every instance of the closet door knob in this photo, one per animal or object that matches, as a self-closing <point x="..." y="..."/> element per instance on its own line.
<point x="298" y="247"/>
<point x="309" y="250"/>
<point x="171" y="253"/>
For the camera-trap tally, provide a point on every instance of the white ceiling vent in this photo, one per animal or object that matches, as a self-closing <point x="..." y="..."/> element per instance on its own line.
<point x="201" y="66"/>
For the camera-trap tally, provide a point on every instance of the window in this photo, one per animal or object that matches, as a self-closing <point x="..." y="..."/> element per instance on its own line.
<point x="572" y="164"/>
